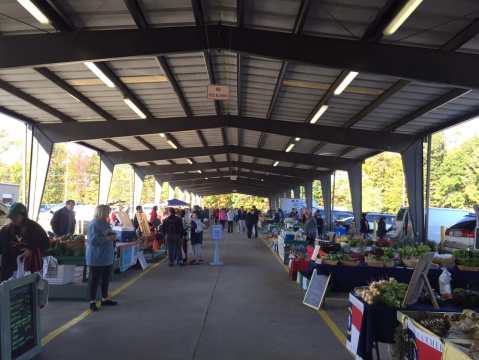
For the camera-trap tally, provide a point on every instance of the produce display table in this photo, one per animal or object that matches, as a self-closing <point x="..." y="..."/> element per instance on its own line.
<point x="377" y="323"/>
<point x="422" y="344"/>
<point x="347" y="278"/>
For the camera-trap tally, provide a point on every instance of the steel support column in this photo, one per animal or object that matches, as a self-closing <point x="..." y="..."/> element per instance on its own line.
<point x="356" y="187"/>
<point x="41" y="153"/>
<point x="106" y="174"/>
<point x="308" y="194"/>
<point x="326" y="192"/>
<point x="412" y="160"/>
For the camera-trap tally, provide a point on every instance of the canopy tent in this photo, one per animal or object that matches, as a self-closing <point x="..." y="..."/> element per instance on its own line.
<point x="177" y="203"/>
<point x="147" y="67"/>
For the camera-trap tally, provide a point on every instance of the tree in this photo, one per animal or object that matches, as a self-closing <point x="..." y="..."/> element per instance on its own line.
<point x="235" y="200"/>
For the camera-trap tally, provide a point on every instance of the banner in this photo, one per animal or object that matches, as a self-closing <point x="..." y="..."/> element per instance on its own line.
<point x="355" y="320"/>
<point x="425" y="345"/>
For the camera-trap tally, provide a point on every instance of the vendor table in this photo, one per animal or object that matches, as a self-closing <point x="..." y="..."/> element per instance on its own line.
<point x="370" y="324"/>
<point x="346" y="278"/>
<point x="127" y="255"/>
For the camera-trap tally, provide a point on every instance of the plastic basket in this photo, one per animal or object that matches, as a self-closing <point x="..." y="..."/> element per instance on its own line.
<point x="60" y="274"/>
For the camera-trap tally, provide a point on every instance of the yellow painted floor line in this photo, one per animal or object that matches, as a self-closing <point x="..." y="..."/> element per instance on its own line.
<point x="322" y="313"/>
<point x="69" y="324"/>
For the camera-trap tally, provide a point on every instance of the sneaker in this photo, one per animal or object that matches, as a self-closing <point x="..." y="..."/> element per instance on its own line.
<point x="108" y="302"/>
<point x="93" y="306"/>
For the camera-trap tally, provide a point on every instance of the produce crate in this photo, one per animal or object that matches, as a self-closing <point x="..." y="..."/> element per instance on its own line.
<point x="60" y="274"/>
<point x="71" y="260"/>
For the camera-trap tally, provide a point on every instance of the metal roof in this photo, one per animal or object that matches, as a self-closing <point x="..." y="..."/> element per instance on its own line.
<point x="281" y="60"/>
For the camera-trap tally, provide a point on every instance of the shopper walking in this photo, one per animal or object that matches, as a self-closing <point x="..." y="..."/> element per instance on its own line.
<point x="230" y="216"/>
<point x="320" y="223"/>
<point x="172" y="229"/>
<point x="242" y="220"/>
<point x="196" y="227"/>
<point x="310" y="227"/>
<point x="249" y="221"/>
<point x="99" y="256"/>
<point x="364" y="226"/>
<point x="222" y="217"/>
<point x="255" y="219"/>
<point x="154" y="220"/>
<point x="21" y="236"/>
<point x="63" y="221"/>
<point x="185" y="220"/>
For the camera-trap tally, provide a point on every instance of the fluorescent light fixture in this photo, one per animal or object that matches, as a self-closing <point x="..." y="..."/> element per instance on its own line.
<point x="401" y="16"/>
<point x="162" y="135"/>
<point x="319" y="113"/>
<point x="172" y="144"/>
<point x="276" y="163"/>
<point x="346" y="81"/>
<point x="100" y="74"/>
<point x="297" y="139"/>
<point x="206" y="178"/>
<point x="34" y="11"/>
<point x="189" y="161"/>
<point x="290" y="147"/>
<point x="135" y="108"/>
<point x="199" y="171"/>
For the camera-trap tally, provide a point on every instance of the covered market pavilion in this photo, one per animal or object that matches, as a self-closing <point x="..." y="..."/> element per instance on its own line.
<point x="313" y="87"/>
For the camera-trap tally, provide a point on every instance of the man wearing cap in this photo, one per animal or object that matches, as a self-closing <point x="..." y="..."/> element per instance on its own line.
<point x="21" y="236"/>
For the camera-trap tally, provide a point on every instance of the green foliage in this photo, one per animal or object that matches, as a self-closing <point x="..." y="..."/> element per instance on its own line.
<point x="121" y="184"/>
<point x="235" y="201"/>
<point x="383" y="183"/>
<point x="148" y="193"/>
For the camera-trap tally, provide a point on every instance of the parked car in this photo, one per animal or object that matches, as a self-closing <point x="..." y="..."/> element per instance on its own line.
<point x="465" y="233"/>
<point x="372" y="217"/>
<point x="3" y="214"/>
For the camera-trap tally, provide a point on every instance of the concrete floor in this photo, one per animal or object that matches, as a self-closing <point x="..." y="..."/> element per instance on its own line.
<point x="247" y="309"/>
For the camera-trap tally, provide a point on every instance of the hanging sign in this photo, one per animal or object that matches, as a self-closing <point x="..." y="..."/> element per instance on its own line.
<point x="218" y="92"/>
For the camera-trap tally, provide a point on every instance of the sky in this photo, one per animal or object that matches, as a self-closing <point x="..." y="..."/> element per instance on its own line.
<point x="455" y="135"/>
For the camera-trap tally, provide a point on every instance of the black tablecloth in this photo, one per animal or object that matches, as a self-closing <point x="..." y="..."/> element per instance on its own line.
<point x="346" y="278"/>
<point x="380" y="322"/>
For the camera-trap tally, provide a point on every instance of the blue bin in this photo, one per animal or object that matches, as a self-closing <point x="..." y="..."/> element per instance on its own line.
<point x="125" y="235"/>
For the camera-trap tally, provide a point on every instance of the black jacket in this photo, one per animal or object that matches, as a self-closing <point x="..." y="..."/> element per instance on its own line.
<point x="63" y="222"/>
<point x="172" y="225"/>
<point x="33" y="237"/>
<point x="250" y="219"/>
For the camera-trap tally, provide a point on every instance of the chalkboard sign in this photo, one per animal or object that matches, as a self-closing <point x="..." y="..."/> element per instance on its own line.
<point x="22" y="321"/>
<point x="19" y="319"/>
<point x="316" y="290"/>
